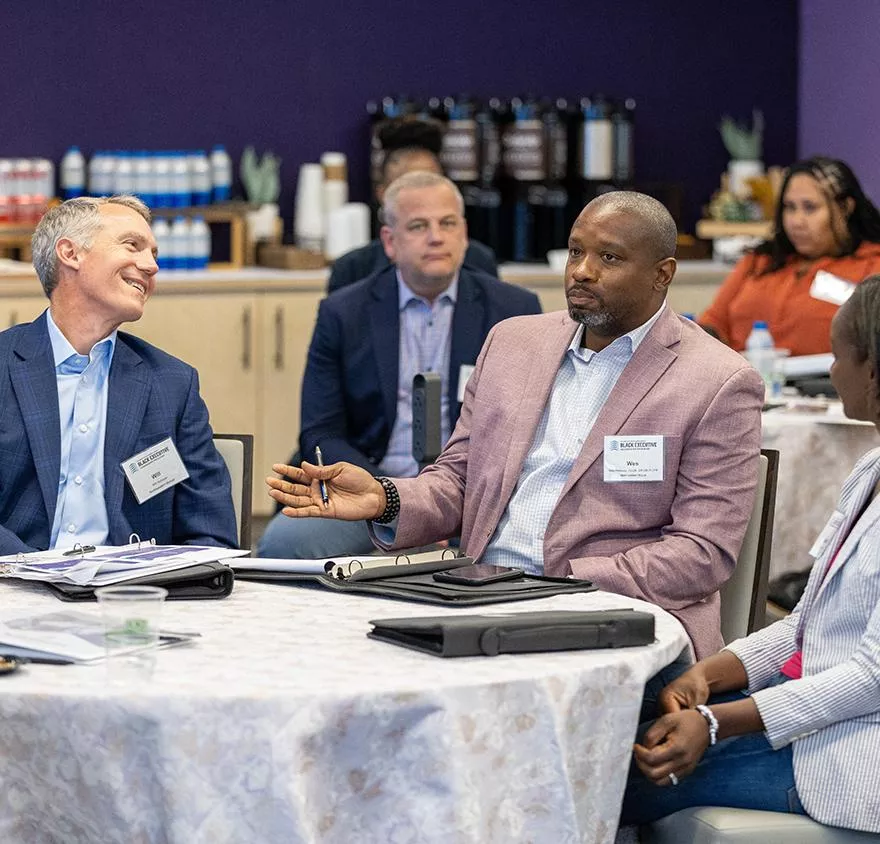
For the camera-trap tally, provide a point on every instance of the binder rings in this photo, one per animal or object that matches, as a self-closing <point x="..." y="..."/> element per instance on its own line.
<point x="415" y="582"/>
<point x="200" y="581"/>
<point x="515" y="633"/>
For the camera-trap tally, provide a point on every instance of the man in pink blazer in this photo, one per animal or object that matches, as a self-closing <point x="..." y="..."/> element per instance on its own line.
<point x="617" y="442"/>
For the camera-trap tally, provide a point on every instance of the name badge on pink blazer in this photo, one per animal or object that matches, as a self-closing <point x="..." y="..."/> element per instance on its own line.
<point x="634" y="458"/>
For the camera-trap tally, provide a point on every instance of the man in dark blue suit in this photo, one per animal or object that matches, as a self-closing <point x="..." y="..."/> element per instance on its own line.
<point x="79" y="400"/>
<point x="424" y="313"/>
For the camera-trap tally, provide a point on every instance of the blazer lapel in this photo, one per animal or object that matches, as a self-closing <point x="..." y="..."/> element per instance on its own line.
<point x="33" y="379"/>
<point x="127" y="393"/>
<point x="385" y="329"/>
<point x="651" y="359"/>
<point x="533" y="401"/>
<point x="468" y="319"/>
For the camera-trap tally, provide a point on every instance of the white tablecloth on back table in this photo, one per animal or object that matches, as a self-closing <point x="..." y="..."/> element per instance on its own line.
<point x="286" y="724"/>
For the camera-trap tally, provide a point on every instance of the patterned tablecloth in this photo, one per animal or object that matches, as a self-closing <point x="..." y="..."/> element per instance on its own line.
<point x="286" y="724"/>
<point x="816" y="454"/>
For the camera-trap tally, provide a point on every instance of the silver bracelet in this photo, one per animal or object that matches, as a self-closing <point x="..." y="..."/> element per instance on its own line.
<point x="711" y="720"/>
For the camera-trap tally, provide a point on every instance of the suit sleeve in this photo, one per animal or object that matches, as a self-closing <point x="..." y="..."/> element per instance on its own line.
<point x="203" y="510"/>
<point x="322" y="409"/>
<point x="714" y="494"/>
<point x="717" y="315"/>
<point x="340" y="274"/>
<point x="11" y="544"/>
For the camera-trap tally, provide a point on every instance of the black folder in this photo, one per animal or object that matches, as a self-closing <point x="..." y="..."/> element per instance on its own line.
<point x="516" y="633"/>
<point x="196" y="582"/>
<point x="415" y="582"/>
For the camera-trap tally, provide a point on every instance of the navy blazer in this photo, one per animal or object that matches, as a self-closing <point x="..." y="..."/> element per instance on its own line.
<point x="349" y="391"/>
<point x="151" y="396"/>
<point x="366" y="260"/>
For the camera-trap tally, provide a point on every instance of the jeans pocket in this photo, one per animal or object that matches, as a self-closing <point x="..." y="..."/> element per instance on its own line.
<point x="794" y="803"/>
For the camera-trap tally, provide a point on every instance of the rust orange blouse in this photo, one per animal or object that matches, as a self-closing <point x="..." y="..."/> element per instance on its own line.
<point x="796" y="320"/>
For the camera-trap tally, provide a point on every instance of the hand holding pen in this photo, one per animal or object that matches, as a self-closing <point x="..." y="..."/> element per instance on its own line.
<point x="321" y="484"/>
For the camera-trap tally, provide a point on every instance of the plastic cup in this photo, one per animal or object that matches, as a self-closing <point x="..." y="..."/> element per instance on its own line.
<point x="131" y="616"/>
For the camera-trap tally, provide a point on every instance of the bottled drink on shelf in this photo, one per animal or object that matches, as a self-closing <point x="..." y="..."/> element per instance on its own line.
<point x="123" y="177"/>
<point x="221" y="174"/>
<point x="101" y="166"/>
<point x="200" y="177"/>
<point x="161" y="166"/>
<point x="73" y="173"/>
<point x="460" y="152"/>
<point x="179" y="244"/>
<point x="162" y="233"/>
<point x="597" y="144"/>
<point x="549" y="201"/>
<point x="199" y="252"/>
<point x="144" y="183"/>
<point x="181" y="188"/>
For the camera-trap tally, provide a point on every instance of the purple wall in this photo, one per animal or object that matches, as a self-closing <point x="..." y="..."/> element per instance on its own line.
<point x="839" y="86"/>
<point x="294" y="77"/>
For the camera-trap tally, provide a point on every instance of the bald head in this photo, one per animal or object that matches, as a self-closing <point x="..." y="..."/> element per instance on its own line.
<point x="654" y="223"/>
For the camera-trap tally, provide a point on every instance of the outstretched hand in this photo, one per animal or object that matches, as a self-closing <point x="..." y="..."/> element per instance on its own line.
<point x="352" y="492"/>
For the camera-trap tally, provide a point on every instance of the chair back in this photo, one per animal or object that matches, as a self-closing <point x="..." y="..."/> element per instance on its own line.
<point x="744" y="596"/>
<point x="237" y="450"/>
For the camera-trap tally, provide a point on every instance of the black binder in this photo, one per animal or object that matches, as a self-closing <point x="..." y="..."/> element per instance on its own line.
<point x="516" y="633"/>
<point x="415" y="582"/>
<point x="197" y="582"/>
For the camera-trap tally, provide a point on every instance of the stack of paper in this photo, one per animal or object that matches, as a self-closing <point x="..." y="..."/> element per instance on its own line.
<point x="106" y="564"/>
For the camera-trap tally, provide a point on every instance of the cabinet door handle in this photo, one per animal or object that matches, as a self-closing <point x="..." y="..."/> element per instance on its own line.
<point x="246" y="338"/>
<point x="279" y="338"/>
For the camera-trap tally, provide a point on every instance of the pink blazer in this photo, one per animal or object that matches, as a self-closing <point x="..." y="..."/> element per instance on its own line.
<point x="672" y="542"/>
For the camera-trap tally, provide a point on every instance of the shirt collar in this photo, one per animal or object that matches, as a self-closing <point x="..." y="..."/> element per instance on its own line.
<point x="61" y="348"/>
<point x="405" y="295"/>
<point x="633" y="338"/>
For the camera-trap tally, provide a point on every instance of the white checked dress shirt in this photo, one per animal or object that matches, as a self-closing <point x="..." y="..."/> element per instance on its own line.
<point x="80" y="510"/>
<point x="583" y="383"/>
<point x="425" y="346"/>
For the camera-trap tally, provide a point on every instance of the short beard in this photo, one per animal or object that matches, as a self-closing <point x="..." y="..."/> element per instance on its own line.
<point x="601" y="322"/>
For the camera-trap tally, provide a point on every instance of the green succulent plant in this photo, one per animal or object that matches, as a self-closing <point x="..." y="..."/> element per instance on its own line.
<point x="740" y="142"/>
<point x="260" y="177"/>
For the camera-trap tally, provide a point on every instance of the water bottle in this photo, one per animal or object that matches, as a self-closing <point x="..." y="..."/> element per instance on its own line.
<point x="199" y="244"/>
<point x="162" y="233"/>
<point x="221" y="174"/>
<point x="200" y="177"/>
<point x="181" y="190"/>
<point x="162" y="179"/>
<point x="178" y="244"/>
<point x="761" y="354"/>
<point x="123" y="178"/>
<point x="73" y="174"/>
<point x="143" y="178"/>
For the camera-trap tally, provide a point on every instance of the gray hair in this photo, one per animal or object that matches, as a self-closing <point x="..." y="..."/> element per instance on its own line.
<point x="861" y="313"/>
<point x="411" y="181"/>
<point x="78" y="220"/>
<point x="658" y="226"/>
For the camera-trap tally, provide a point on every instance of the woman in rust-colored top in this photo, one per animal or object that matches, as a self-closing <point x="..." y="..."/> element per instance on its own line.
<point x="823" y="222"/>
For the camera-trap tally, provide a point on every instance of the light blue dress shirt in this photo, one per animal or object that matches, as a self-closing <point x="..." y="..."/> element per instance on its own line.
<point x="80" y="510"/>
<point x="583" y="383"/>
<point x="425" y="346"/>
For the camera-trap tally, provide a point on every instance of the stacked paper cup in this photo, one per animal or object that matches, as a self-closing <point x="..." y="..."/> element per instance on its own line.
<point x="348" y="228"/>
<point x="308" y="220"/>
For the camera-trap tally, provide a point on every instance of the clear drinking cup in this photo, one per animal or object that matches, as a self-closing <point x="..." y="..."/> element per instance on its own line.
<point x="131" y="616"/>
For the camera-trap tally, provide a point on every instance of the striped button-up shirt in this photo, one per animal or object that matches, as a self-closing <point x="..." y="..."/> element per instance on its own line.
<point x="425" y="346"/>
<point x="583" y="383"/>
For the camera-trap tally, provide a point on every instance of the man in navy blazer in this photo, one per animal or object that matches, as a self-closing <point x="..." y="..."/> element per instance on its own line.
<point x="426" y="312"/>
<point x="78" y="398"/>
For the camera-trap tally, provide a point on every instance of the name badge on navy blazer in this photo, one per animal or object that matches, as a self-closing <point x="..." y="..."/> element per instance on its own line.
<point x="154" y="470"/>
<point x="634" y="458"/>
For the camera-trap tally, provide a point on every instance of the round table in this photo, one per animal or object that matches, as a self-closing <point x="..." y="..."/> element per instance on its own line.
<point x="285" y="723"/>
<point x="816" y="454"/>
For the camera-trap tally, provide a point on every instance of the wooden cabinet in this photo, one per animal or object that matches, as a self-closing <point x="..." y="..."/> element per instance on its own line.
<point x="18" y="309"/>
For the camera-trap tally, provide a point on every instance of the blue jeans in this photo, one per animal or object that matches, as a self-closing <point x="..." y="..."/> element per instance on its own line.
<point x="741" y="772"/>
<point x="313" y="539"/>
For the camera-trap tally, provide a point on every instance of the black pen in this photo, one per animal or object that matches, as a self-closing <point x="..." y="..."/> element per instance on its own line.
<point x="321" y="485"/>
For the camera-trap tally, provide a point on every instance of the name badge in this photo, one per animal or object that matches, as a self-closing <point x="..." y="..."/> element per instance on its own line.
<point x="830" y="288"/>
<point x="634" y="458"/>
<point x="153" y="470"/>
<point x="464" y="374"/>
<point x="826" y="535"/>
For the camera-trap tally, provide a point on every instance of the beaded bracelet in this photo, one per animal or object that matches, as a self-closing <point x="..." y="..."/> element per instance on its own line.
<point x="392" y="502"/>
<point x="711" y="720"/>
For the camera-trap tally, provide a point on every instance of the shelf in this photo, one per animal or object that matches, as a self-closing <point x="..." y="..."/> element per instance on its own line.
<point x="710" y="229"/>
